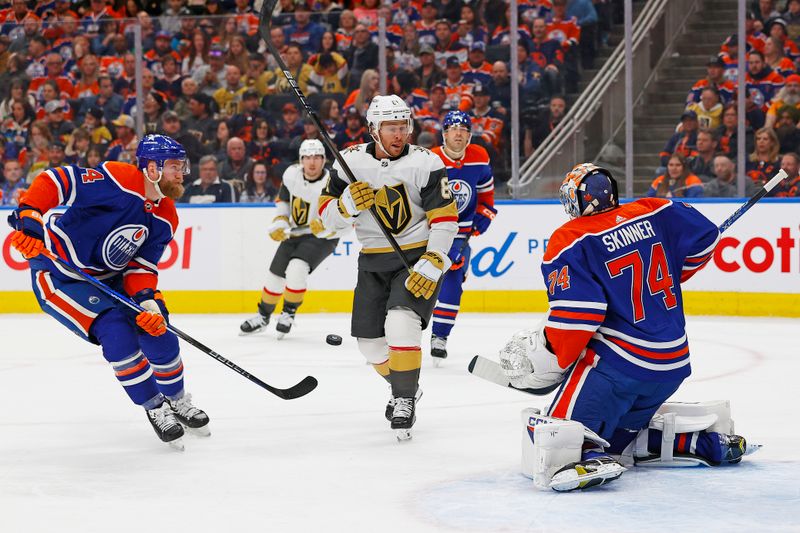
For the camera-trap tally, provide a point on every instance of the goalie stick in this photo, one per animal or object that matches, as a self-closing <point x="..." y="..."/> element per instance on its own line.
<point x="308" y="383"/>
<point x="264" y="26"/>
<point x="492" y="371"/>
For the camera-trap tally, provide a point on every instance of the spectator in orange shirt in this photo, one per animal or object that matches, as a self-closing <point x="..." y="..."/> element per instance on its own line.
<point x="677" y="181"/>
<point x="55" y="72"/>
<point x="87" y="83"/>
<point x="774" y="57"/>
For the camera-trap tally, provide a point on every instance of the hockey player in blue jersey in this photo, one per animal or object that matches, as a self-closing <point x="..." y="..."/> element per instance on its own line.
<point x="470" y="176"/>
<point x="117" y="222"/>
<point x="614" y="338"/>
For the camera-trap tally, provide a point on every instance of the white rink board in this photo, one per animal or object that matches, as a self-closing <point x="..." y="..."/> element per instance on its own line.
<point x="227" y="248"/>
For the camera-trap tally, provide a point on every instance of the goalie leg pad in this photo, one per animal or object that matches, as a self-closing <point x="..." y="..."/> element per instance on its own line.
<point x="690" y="423"/>
<point x="549" y="444"/>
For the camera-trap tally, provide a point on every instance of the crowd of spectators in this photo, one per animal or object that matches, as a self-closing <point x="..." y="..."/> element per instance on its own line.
<point x="68" y="95"/>
<point x="700" y="157"/>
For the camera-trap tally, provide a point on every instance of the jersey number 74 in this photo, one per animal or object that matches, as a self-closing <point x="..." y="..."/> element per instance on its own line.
<point x="659" y="280"/>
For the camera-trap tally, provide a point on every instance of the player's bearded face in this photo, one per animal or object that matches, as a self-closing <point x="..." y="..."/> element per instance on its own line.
<point x="171" y="183"/>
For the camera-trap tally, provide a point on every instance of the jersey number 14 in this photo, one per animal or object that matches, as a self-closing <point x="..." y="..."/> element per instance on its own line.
<point x="659" y="280"/>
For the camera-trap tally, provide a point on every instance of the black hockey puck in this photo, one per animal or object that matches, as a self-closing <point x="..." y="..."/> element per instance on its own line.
<point x="333" y="340"/>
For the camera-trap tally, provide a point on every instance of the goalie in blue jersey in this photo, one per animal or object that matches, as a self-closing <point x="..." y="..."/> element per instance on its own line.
<point x="614" y="342"/>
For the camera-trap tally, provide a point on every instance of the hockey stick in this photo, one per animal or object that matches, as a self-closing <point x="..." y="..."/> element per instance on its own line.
<point x="771" y="184"/>
<point x="492" y="371"/>
<point x="308" y="383"/>
<point x="264" y="27"/>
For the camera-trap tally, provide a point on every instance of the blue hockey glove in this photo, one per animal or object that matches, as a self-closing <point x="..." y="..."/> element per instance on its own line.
<point x="484" y="215"/>
<point x="456" y="254"/>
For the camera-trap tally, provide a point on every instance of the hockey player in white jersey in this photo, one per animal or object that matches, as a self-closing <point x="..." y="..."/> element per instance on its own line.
<point x="408" y="187"/>
<point x="305" y="241"/>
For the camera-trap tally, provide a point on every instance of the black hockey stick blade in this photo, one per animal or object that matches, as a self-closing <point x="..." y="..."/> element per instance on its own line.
<point x="308" y="384"/>
<point x="492" y="371"/>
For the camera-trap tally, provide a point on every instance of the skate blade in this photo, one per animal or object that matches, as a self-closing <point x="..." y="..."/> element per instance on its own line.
<point x="752" y="448"/>
<point x="403" y="434"/>
<point x="177" y="444"/>
<point x="281" y="335"/>
<point x="571" y="479"/>
<point x="203" y="431"/>
<point x="437" y="362"/>
<point x="248" y="333"/>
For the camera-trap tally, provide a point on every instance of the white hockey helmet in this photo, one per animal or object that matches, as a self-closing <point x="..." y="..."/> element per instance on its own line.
<point x="384" y="108"/>
<point x="311" y="147"/>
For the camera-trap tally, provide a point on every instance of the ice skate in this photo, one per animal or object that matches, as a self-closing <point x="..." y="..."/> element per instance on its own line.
<point x="166" y="426"/>
<point x="586" y="474"/>
<point x="190" y="417"/>
<point x="403" y="418"/>
<point x="284" y="325"/>
<point x="438" y="350"/>
<point x="390" y="403"/>
<point x="257" y="323"/>
<point x="734" y="447"/>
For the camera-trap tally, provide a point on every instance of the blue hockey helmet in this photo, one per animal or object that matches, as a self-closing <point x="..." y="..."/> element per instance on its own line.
<point x="160" y="148"/>
<point x="587" y="190"/>
<point x="453" y="118"/>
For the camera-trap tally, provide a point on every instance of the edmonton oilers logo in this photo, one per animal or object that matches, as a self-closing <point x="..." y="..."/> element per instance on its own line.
<point x="462" y="193"/>
<point x="122" y="244"/>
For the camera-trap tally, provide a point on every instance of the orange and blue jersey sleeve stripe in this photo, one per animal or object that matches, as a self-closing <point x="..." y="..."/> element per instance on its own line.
<point x="695" y="262"/>
<point x="52" y="187"/>
<point x="570" y="326"/>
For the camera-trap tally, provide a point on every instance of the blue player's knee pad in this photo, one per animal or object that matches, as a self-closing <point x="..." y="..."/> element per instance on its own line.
<point x="161" y="349"/>
<point x="116" y="334"/>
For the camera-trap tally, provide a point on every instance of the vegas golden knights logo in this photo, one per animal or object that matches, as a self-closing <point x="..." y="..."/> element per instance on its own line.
<point x="393" y="207"/>
<point x="300" y="210"/>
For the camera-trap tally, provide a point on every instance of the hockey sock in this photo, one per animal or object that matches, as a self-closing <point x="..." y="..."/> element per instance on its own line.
<point x="383" y="370"/>
<point x="269" y="300"/>
<point x="169" y="377"/>
<point x="136" y="377"/>
<point x="703" y="444"/>
<point x="444" y="318"/>
<point x="404" y="365"/>
<point x="292" y="299"/>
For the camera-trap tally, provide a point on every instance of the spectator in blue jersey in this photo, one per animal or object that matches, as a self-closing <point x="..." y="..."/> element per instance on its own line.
<point x="303" y="30"/>
<point x="586" y="15"/>
<point x="677" y="181"/>
<point x="476" y="69"/>
<point x="291" y="125"/>
<point x="531" y="79"/>
<point x="684" y="141"/>
<point x="614" y="340"/>
<point x="208" y="188"/>
<point x="547" y="53"/>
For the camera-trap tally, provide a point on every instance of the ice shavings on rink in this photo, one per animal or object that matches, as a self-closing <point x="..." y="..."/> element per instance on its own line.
<point x="75" y="455"/>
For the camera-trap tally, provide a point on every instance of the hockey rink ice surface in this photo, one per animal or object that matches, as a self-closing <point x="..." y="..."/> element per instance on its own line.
<point x="77" y="456"/>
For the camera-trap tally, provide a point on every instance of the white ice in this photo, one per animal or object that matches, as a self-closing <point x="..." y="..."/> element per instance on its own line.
<point x="77" y="456"/>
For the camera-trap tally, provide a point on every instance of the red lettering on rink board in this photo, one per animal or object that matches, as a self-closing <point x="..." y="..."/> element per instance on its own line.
<point x="757" y="254"/>
<point x="173" y="252"/>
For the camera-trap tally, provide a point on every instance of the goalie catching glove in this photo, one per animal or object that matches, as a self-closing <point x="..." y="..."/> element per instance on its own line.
<point x="528" y="363"/>
<point x="425" y="275"/>
<point x="279" y="229"/>
<point x="28" y="239"/>
<point x="357" y="197"/>
<point x="153" y="319"/>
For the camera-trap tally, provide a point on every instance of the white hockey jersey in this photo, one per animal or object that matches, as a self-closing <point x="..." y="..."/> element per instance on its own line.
<point x="298" y="200"/>
<point x="413" y="201"/>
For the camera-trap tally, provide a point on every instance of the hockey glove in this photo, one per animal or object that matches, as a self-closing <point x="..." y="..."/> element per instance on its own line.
<point x="484" y="215"/>
<point x="28" y="239"/>
<point x="279" y="229"/>
<point x="426" y="273"/>
<point x="153" y="319"/>
<point x="528" y="363"/>
<point x="357" y="197"/>
<point x="456" y="254"/>
<point x="317" y="227"/>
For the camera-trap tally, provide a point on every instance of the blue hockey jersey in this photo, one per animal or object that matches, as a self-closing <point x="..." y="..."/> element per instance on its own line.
<point x="109" y="227"/>
<point x="471" y="182"/>
<point x="613" y="281"/>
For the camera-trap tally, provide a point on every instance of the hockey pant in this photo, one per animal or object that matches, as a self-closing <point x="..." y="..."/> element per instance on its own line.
<point x="147" y="367"/>
<point x="446" y="310"/>
<point x="616" y="406"/>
